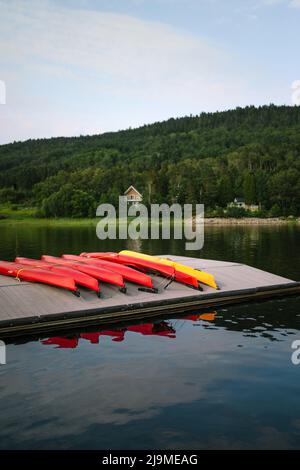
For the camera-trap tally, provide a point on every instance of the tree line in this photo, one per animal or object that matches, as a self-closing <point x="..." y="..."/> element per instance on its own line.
<point x="253" y="153"/>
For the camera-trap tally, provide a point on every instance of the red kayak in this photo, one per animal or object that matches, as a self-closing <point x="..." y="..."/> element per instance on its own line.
<point x="164" y="270"/>
<point x="128" y="273"/>
<point x="25" y="273"/>
<point x="80" y="278"/>
<point x="95" y="271"/>
<point x="146" y="265"/>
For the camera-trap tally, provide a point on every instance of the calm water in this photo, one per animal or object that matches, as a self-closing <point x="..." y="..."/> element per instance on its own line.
<point x="218" y="379"/>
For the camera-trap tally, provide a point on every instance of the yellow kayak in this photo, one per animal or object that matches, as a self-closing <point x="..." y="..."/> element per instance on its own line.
<point x="201" y="276"/>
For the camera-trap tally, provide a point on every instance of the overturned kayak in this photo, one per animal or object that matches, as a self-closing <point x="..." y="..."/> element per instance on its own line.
<point x="43" y="276"/>
<point x="33" y="308"/>
<point x="148" y="266"/>
<point x="80" y="278"/>
<point x="201" y="276"/>
<point x="99" y="273"/>
<point x="129" y="274"/>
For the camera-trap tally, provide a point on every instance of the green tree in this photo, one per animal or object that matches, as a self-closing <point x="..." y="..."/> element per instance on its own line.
<point x="225" y="191"/>
<point x="249" y="190"/>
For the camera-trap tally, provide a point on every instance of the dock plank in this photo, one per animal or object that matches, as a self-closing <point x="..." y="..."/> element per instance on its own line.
<point x="41" y="304"/>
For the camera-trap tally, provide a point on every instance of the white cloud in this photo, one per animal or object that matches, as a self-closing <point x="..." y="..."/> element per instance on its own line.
<point x="273" y="2"/>
<point x="115" y="58"/>
<point x="111" y="45"/>
<point x="295" y="85"/>
<point x="291" y="3"/>
<point x="2" y="92"/>
<point x="296" y="92"/>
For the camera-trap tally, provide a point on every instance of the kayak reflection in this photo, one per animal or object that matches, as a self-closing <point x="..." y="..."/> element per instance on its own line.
<point x="203" y="316"/>
<point x="61" y="342"/>
<point x="162" y="328"/>
<point x="93" y="338"/>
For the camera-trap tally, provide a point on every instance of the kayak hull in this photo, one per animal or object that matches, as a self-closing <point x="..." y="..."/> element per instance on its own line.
<point x="137" y="263"/>
<point x="128" y="273"/>
<point x="80" y="278"/>
<point x="201" y="276"/>
<point x="25" y="273"/>
<point x="101" y="274"/>
<point x="147" y="265"/>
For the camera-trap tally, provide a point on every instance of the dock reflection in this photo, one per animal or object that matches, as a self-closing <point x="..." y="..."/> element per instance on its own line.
<point x="163" y="328"/>
<point x="267" y="320"/>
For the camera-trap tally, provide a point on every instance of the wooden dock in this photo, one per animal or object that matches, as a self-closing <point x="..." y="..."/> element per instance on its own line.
<point x="27" y="307"/>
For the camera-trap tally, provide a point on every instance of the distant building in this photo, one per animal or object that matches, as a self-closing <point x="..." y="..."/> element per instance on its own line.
<point x="133" y="196"/>
<point x="239" y="202"/>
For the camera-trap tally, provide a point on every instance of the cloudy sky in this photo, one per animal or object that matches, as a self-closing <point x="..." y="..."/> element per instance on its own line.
<point x="74" y="67"/>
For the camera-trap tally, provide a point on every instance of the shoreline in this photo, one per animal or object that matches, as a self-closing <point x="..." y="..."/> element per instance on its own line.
<point x="209" y="221"/>
<point x="249" y="221"/>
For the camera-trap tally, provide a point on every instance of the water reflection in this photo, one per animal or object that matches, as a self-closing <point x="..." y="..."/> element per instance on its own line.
<point x="253" y="245"/>
<point x="272" y="326"/>
<point x="209" y="379"/>
<point x="145" y="329"/>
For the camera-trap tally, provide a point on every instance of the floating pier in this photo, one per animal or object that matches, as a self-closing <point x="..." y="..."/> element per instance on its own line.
<point x="27" y="307"/>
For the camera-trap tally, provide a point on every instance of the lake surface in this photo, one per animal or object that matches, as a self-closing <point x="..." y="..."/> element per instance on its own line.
<point x="215" y="379"/>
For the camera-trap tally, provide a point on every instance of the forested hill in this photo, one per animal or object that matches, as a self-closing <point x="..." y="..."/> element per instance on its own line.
<point x="211" y="158"/>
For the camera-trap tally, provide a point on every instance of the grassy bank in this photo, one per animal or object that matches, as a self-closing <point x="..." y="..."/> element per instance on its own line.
<point x="17" y="213"/>
<point x="28" y="215"/>
<point x="48" y="222"/>
<point x="24" y="215"/>
<point x="21" y="215"/>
